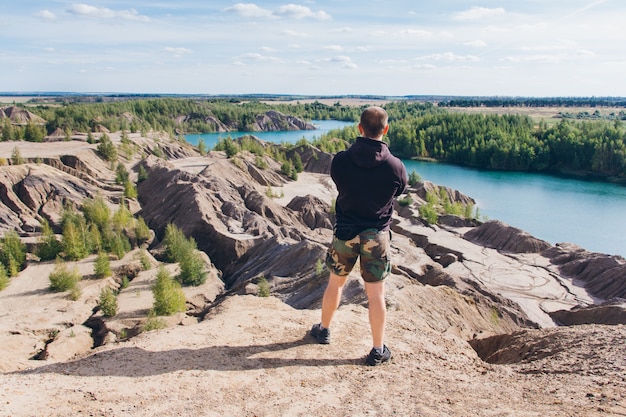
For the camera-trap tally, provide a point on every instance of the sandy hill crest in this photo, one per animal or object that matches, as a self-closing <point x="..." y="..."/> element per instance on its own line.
<point x="470" y="319"/>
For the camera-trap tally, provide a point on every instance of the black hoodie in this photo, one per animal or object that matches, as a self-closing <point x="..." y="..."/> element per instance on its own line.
<point x="368" y="178"/>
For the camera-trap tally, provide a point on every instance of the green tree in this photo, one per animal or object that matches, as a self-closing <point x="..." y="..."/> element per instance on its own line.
<point x="49" y="247"/>
<point x="168" y="295"/>
<point x="4" y="278"/>
<point x="108" y="302"/>
<point x="16" y="156"/>
<point x="107" y="148"/>
<point x="102" y="265"/>
<point x="12" y="252"/>
<point x="74" y="240"/>
<point x="192" y="268"/>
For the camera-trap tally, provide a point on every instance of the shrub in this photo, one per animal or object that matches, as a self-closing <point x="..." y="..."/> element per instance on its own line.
<point x="96" y="211"/>
<point x="142" y="231"/>
<point x="175" y="243"/>
<point x="12" y="252"/>
<point x="192" y="268"/>
<point x="108" y="302"/>
<point x="102" y="266"/>
<point x="16" y="157"/>
<point x="121" y="174"/>
<point x="264" y="287"/>
<point x="130" y="191"/>
<point x="74" y="242"/>
<point x="49" y="247"/>
<point x="153" y="323"/>
<point x="142" y="174"/>
<point x="62" y="279"/>
<point x="319" y="267"/>
<point x="144" y="259"/>
<point x="107" y="148"/>
<point x="4" y="279"/>
<point x="405" y="201"/>
<point x="414" y="178"/>
<point x="168" y="295"/>
<point x="428" y="212"/>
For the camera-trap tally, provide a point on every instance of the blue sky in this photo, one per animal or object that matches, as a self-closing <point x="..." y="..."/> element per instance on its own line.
<point x="392" y="47"/>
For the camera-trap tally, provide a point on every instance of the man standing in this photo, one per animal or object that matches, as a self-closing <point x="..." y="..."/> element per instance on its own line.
<point x="368" y="178"/>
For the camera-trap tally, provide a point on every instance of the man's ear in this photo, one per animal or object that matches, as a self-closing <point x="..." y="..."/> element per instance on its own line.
<point x="360" y="129"/>
<point x="386" y="130"/>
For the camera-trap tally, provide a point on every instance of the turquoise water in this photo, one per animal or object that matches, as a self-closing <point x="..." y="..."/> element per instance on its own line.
<point x="589" y="214"/>
<point x="289" y="136"/>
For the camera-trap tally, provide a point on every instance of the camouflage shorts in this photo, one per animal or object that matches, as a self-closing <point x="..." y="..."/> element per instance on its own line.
<point x="371" y="245"/>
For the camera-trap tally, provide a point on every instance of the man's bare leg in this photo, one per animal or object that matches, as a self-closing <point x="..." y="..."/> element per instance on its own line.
<point x="377" y="310"/>
<point x="332" y="297"/>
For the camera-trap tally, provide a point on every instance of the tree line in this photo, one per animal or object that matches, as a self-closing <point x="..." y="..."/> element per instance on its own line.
<point x="418" y="130"/>
<point x="500" y="142"/>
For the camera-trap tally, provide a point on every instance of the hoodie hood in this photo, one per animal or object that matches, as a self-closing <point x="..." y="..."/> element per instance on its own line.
<point x="368" y="153"/>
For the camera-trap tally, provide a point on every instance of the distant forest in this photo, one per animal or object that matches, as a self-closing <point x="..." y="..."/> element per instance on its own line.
<point x="418" y="130"/>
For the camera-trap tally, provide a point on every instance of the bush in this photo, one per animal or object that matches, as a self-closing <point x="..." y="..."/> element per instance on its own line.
<point x="102" y="266"/>
<point x="97" y="211"/>
<point x="405" y="201"/>
<point x="62" y="279"/>
<point x="192" y="268"/>
<point x="144" y="259"/>
<point x="414" y="178"/>
<point x="153" y="323"/>
<point x="168" y="295"/>
<point x="49" y="247"/>
<point x="175" y="243"/>
<point x="108" y="302"/>
<point x="4" y="279"/>
<point x="142" y="231"/>
<point x="107" y="148"/>
<point x="12" y="252"/>
<point x="264" y="287"/>
<point x="74" y="240"/>
<point x="428" y="212"/>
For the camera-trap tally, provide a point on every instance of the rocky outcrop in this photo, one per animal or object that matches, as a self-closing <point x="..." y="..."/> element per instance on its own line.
<point x="315" y="212"/>
<point x="273" y="121"/>
<point x="611" y="312"/>
<point x="423" y="188"/>
<point x="497" y="235"/>
<point x="219" y="208"/>
<point x="20" y="116"/>
<point x="270" y="121"/>
<point x="31" y="193"/>
<point x="602" y="275"/>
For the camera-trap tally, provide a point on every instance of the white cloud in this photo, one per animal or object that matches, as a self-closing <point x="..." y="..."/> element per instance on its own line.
<point x="254" y="56"/>
<point x="249" y="10"/>
<point x="476" y="13"/>
<point x="178" y="50"/>
<point x="336" y="48"/>
<point x="476" y="44"/>
<point x="294" y="34"/>
<point x="86" y="10"/>
<point x="342" y="60"/>
<point x="292" y="11"/>
<point x="46" y="14"/>
<point x="447" y="56"/>
<point x="300" y="12"/>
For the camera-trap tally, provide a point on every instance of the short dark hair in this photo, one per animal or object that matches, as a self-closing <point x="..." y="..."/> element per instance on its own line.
<point x="373" y="121"/>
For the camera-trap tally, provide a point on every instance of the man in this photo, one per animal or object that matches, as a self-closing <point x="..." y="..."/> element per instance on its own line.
<point x="368" y="178"/>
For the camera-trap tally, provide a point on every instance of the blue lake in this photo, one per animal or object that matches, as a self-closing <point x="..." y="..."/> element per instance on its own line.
<point x="589" y="214"/>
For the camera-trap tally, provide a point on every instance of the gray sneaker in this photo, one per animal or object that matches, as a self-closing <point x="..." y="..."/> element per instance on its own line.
<point x="376" y="358"/>
<point x="321" y="335"/>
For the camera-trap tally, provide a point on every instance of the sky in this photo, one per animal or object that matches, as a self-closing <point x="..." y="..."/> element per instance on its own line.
<point x="530" y="48"/>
